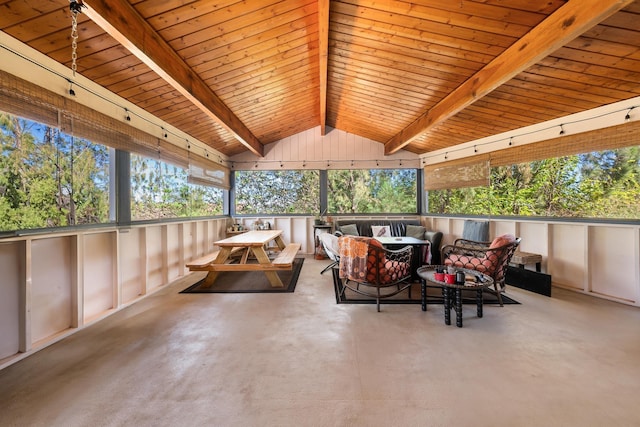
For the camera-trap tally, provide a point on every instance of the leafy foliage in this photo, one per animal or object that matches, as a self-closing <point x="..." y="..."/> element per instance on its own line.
<point x="595" y="185"/>
<point x="161" y="190"/>
<point x="50" y="179"/>
<point x="372" y="191"/>
<point x="277" y="192"/>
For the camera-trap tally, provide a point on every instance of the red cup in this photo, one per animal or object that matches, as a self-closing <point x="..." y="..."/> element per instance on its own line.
<point x="439" y="277"/>
<point x="450" y="278"/>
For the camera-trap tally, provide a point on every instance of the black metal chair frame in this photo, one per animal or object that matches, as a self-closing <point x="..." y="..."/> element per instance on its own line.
<point x="468" y="250"/>
<point x="373" y="288"/>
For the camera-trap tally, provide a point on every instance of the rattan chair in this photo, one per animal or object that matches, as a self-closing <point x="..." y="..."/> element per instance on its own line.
<point x="491" y="258"/>
<point x="369" y="269"/>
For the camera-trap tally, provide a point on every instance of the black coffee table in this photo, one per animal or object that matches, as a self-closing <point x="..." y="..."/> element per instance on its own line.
<point x="453" y="292"/>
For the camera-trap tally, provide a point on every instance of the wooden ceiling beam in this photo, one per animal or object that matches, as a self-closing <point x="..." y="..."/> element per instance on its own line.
<point x="323" y="35"/>
<point x="564" y="25"/>
<point x="120" y="20"/>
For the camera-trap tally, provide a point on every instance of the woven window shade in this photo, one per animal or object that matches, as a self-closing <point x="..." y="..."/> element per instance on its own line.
<point x="208" y="173"/>
<point x="624" y="135"/>
<point x="25" y="99"/>
<point x="467" y="172"/>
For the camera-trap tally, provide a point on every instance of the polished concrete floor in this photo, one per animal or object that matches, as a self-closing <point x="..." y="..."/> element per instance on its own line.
<point x="301" y="360"/>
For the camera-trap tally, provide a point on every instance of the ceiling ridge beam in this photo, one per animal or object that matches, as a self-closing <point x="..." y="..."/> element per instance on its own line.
<point x="565" y="24"/>
<point x="323" y="35"/>
<point x="122" y="22"/>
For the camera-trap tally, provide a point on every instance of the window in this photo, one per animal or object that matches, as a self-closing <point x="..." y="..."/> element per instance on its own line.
<point x="277" y="192"/>
<point x="604" y="184"/>
<point x="49" y="178"/>
<point x="160" y="190"/>
<point x="372" y="191"/>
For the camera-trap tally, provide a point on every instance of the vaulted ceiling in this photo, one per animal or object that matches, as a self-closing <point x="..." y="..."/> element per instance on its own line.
<point x="420" y="75"/>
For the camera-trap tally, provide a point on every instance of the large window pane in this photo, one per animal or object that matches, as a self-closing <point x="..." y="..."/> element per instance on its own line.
<point x="372" y="191"/>
<point x="50" y="179"/>
<point x="160" y="190"/>
<point x="277" y="192"/>
<point x="595" y="185"/>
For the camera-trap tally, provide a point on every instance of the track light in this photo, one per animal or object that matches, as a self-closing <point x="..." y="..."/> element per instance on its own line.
<point x="446" y="155"/>
<point x="510" y="141"/>
<point x="475" y="149"/>
<point x="71" y="91"/>
<point x="127" y="116"/>
<point x="561" y="130"/>
<point x="628" y="116"/>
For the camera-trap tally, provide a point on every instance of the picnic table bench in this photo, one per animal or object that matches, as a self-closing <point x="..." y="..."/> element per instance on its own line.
<point x="252" y="241"/>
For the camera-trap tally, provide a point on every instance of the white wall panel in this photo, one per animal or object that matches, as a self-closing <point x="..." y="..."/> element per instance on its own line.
<point x="188" y="240"/>
<point x="201" y="238"/>
<point x="501" y="227"/>
<point x="154" y="257"/>
<point x="131" y="272"/>
<point x="343" y="144"/>
<point x="174" y="264"/>
<point x="335" y="150"/>
<point x="534" y="239"/>
<point x="98" y="273"/>
<point x="568" y="259"/>
<point x="11" y="266"/>
<point x="617" y="264"/>
<point x="52" y="276"/>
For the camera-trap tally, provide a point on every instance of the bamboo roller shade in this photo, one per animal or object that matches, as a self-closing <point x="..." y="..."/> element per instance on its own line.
<point x="468" y="172"/>
<point x="30" y="101"/>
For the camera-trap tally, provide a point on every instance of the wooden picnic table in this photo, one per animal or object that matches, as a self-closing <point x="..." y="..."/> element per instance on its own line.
<point x="256" y="242"/>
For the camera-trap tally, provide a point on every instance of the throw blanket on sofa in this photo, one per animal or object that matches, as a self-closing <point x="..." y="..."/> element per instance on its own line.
<point x="353" y="257"/>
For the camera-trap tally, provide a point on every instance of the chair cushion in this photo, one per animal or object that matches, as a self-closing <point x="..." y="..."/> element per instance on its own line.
<point x="416" y="231"/>
<point x="483" y="265"/>
<point x="502" y="240"/>
<point x="349" y="230"/>
<point x="381" y="230"/>
<point x="390" y="271"/>
<point x="487" y="264"/>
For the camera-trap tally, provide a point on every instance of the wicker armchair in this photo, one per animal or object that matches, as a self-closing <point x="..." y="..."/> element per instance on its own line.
<point x="369" y="269"/>
<point x="491" y="258"/>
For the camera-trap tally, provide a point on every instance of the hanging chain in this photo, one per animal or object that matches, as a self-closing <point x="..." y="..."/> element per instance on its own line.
<point x="75" y="8"/>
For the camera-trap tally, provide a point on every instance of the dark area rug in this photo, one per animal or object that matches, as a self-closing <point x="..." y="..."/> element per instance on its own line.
<point x="249" y="282"/>
<point x="434" y="296"/>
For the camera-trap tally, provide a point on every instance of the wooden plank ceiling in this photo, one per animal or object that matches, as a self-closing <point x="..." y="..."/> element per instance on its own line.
<point x="420" y="76"/>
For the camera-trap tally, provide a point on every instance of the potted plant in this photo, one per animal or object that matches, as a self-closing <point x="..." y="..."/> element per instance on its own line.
<point x="320" y="218"/>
